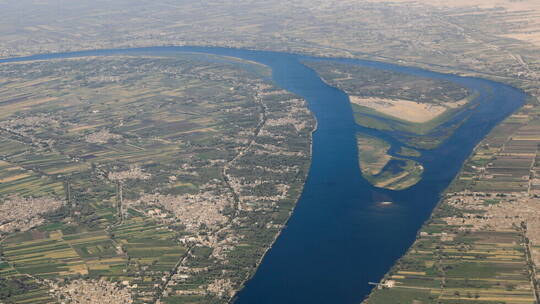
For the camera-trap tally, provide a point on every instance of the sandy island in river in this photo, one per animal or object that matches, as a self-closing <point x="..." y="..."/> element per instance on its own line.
<point x="407" y="110"/>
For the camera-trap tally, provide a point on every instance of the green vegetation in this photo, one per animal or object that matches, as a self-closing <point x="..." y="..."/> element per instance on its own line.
<point x="454" y="266"/>
<point x="406" y="151"/>
<point x="496" y="39"/>
<point x="360" y="80"/>
<point x="372" y="154"/>
<point x="415" y="106"/>
<point x="399" y="174"/>
<point x="383" y="170"/>
<point x="147" y="164"/>
<point x="481" y="243"/>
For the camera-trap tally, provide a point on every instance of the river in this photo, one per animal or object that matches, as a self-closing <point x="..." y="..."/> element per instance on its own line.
<point x="339" y="238"/>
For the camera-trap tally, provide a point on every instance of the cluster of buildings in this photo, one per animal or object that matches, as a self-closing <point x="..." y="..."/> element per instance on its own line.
<point x="21" y="214"/>
<point x="101" y="137"/>
<point x="191" y="210"/>
<point x="91" y="292"/>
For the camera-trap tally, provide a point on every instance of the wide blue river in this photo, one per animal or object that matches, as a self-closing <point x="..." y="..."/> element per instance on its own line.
<point x="338" y="238"/>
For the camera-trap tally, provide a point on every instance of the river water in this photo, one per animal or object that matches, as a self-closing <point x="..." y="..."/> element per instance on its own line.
<point x="339" y="237"/>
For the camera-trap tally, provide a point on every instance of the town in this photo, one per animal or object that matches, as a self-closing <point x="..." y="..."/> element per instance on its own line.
<point x="145" y="189"/>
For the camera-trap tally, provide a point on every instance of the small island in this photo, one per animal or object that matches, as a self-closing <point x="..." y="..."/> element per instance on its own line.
<point x="383" y="170"/>
<point x="419" y="112"/>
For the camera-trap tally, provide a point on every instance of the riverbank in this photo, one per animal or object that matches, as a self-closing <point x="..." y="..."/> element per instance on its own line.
<point x="162" y="148"/>
<point x="485" y="227"/>
<point x="338" y="214"/>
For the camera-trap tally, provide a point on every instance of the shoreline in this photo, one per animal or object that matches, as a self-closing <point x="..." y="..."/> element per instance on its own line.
<point x="388" y="278"/>
<point x="260" y="260"/>
<point x="300" y="193"/>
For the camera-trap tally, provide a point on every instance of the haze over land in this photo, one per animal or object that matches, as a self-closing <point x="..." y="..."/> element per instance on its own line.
<point x="103" y="160"/>
<point x="496" y="37"/>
